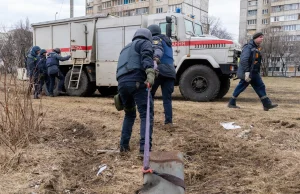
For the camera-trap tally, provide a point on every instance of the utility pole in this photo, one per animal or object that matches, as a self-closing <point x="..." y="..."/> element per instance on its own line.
<point x="71" y="8"/>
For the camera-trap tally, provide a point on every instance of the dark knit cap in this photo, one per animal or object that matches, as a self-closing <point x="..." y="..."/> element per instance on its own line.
<point x="256" y="35"/>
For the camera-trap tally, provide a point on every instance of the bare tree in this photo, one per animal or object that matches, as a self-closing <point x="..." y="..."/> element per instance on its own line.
<point x="216" y="28"/>
<point x="14" y="44"/>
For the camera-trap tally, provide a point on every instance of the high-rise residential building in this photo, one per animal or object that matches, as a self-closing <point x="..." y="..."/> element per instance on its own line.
<point x="198" y="8"/>
<point x="274" y="16"/>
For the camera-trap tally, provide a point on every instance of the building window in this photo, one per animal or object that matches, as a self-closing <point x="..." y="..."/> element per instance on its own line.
<point x="291" y="6"/>
<point x="252" y="12"/>
<point x="265" y="21"/>
<point x="159" y="10"/>
<point x="100" y="8"/>
<point x="142" y="11"/>
<point x="172" y="8"/>
<point x="106" y="5"/>
<point x="252" y="3"/>
<point x="117" y="2"/>
<point x="277" y="8"/>
<point x="265" y="11"/>
<point x="251" y="22"/>
<point x="266" y="2"/>
<point x="89" y="10"/>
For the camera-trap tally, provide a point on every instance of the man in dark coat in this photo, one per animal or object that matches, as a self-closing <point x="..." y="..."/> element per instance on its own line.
<point x="54" y="71"/>
<point x="42" y="67"/>
<point x="32" y="71"/>
<point x="163" y="55"/>
<point x="249" y="73"/>
<point x="134" y="72"/>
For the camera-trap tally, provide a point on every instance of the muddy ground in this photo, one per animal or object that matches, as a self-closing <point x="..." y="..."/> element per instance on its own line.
<point x="261" y="157"/>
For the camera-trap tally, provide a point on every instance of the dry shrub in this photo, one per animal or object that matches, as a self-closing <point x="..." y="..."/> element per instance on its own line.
<point x="19" y="120"/>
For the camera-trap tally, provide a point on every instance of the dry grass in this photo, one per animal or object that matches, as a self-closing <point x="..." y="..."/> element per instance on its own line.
<point x="65" y="159"/>
<point x="19" y="121"/>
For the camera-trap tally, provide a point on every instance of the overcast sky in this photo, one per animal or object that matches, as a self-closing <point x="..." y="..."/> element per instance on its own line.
<point x="13" y="11"/>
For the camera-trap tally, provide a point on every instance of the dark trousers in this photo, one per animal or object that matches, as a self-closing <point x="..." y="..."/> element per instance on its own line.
<point x="44" y="79"/>
<point x="256" y="83"/>
<point x="61" y="78"/>
<point x="167" y="88"/>
<point x="135" y="94"/>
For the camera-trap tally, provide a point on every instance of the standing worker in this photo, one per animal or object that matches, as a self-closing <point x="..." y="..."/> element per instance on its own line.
<point x="53" y="70"/>
<point x="32" y="71"/>
<point x="249" y="73"/>
<point x="43" y="71"/>
<point x="163" y="55"/>
<point x="134" y="72"/>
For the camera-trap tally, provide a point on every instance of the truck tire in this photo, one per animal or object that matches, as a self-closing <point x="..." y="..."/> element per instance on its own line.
<point x="83" y="86"/>
<point x="108" y="91"/>
<point x="199" y="83"/>
<point x="55" y="90"/>
<point x="224" y="88"/>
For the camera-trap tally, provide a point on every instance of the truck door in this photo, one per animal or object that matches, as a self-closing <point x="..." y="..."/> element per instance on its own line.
<point x="79" y="40"/>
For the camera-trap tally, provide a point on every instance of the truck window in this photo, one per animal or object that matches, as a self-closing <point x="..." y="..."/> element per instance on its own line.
<point x="189" y="28"/>
<point x="163" y="27"/>
<point x="198" y="30"/>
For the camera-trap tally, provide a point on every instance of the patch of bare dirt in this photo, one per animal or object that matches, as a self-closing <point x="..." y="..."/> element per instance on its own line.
<point x="71" y="146"/>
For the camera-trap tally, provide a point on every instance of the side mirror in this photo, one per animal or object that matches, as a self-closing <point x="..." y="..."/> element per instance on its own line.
<point x="169" y="30"/>
<point x="169" y="19"/>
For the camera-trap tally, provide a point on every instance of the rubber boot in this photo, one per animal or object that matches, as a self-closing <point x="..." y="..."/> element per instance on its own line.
<point x="268" y="104"/>
<point x="232" y="103"/>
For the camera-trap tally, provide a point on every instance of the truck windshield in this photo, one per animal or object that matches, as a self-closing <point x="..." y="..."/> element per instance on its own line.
<point x="189" y="28"/>
<point x="198" y="30"/>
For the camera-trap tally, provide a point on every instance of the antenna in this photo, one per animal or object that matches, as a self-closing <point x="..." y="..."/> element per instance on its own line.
<point x="71" y="8"/>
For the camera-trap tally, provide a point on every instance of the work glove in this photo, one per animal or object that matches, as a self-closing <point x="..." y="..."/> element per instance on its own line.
<point x="247" y="77"/>
<point x="150" y="76"/>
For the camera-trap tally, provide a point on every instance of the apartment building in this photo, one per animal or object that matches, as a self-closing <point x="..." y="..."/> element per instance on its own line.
<point x="198" y="8"/>
<point x="282" y="16"/>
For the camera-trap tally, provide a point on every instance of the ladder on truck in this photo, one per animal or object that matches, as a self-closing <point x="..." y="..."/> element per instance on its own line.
<point x="74" y="78"/>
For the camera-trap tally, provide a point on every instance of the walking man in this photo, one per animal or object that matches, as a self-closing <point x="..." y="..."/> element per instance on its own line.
<point x="249" y="73"/>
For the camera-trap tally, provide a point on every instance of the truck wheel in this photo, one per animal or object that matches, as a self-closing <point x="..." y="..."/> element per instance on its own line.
<point x="55" y="90"/>
<point x="199" y="83"/>
<point x="83" y="86"/>
<point x="224" y="88"/>
<point x="108" y="91"/>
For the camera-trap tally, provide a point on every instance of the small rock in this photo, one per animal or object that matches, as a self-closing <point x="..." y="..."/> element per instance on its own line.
<point x="74" y="130"/>
<point x="244" y="134"/>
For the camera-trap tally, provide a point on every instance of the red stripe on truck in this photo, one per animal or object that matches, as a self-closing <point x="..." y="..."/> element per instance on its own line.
<point x="73" y="47"/>
<point x="201" y="42"/>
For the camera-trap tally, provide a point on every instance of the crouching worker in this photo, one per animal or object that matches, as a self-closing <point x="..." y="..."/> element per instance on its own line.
<point x="43" y="71"/>
<point x="135" y="70"/>
<point x="54" y="71"/>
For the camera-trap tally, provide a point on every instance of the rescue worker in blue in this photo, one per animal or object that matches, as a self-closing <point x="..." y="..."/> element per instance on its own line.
<point x="249" y="73"/>
<point x="163" y="55"/>
<point x="43" y="71"/>
<point x="32" y="71"/>
<point x="54" y="71"/>
<point x="135" y="70"/>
